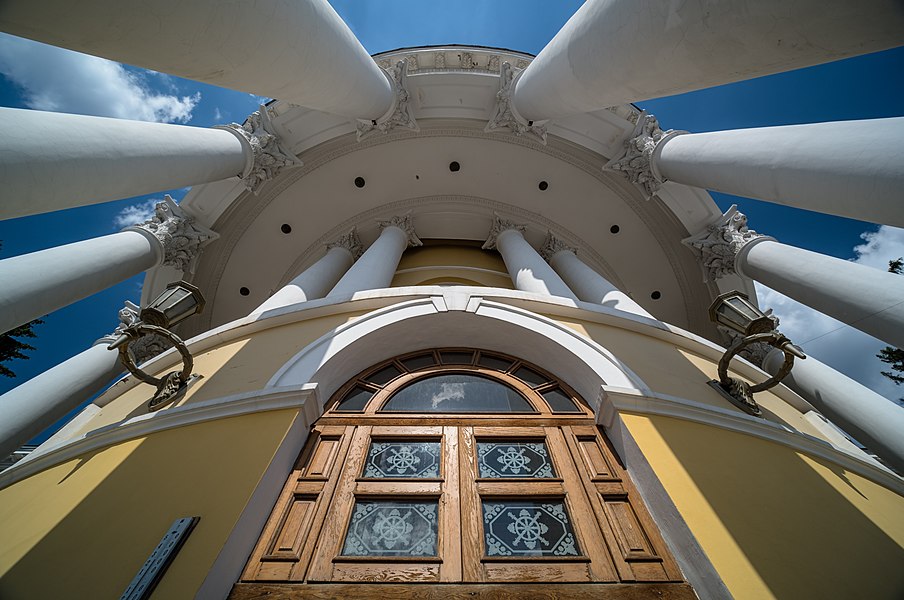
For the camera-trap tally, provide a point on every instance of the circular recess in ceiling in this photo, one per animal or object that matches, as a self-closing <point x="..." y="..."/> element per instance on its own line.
<point x="615" y="229"/>
<point x="543" y="186"/>
<point x="244" y="291"/>
<point x="656" y="295"/>
<point x="359" y="182"/>
<point x="454" y="166"/>
<point x="285" y="228"/>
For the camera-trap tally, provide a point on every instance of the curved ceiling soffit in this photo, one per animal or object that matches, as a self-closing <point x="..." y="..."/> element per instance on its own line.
<point x="414" y="325"/>
<point x="665" y="227"/>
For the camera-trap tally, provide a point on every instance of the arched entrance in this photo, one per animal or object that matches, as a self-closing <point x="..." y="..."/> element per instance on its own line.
<point x="458" y="466"/>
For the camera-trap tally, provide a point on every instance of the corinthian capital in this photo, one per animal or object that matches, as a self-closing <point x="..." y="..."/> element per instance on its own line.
<point x="399" y="113"/>
<point x="404" y="223"/>
<point x="505" y="115"/>
<point x="178" y="234"/>
<point x="350" y="241"/>
<point x="637" y="160"/>
<point x="499" y="225"/>
<point x="718" y="245"/>
<point x="269" y="155"/>
<point x="553" y="246"/>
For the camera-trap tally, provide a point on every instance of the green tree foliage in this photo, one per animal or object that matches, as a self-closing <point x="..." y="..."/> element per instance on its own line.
<point x="888" y="354"/>
<point x="12" y="348"/>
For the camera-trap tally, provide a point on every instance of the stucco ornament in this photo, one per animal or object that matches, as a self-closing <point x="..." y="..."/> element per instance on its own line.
<point x="501" y="224"/>
<point x="637" y="160"/>
<point x="399" y="113"/>
<point x="404" y="223"/>
<point x="553" y="245"/>
<point x="144" y="348"/>
<point x="181" y="237"/>
<point x="350" y="241"/>
<point x="718" y="245"/>
<point x="505" y="116"/>
<point x="270" y="156"/>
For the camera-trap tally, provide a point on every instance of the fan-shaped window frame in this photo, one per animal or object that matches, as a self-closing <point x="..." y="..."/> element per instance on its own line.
<point x="527" y="379"/>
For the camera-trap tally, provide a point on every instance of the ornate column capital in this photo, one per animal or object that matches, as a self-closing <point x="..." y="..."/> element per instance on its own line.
<point x="269" y="156"/>
<point x="404" y="223"/>
<point x="553" y="246"/>
<point x="505" y="116"/>
<point x="499" y="225"/>
<point x="178" y="233"/>
<point x="637" y="161"/>
<point x="142" y="349"/>
<point x="399" y="113"/>
<point x="350" y="241"/>
<point x="718" y="245"/>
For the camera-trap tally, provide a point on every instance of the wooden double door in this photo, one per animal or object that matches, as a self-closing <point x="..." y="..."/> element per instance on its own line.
<point x="458" y="501"/>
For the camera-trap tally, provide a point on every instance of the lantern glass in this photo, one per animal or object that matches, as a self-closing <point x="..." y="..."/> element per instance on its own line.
<point x="178" y="301"/>
<point x="735" y="311"/>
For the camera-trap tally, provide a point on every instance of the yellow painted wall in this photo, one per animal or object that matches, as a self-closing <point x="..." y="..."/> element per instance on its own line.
<point x="84" y="528"/>
<point x="457" y="264"/>
<point x="669" y="369"/>
<point x="242" y="365"/>
<point x="774" y="522"/>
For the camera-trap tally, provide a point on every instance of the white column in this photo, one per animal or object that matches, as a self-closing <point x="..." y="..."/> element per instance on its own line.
<point x="51" y="161"/>
<point x="528" y="270"/>
<point x="377" y="266"/>
<point x="851" y="168"/>
<point x="589" y="285"/>
<point x="318" y="279"/>
<point x="616" y="51"/>
<point x="871" y="419"/>
<point x="295" y="50"/>
<point x="868" y="299"/>
<point x="33" y="285"/>
<point x="40" y="402"/>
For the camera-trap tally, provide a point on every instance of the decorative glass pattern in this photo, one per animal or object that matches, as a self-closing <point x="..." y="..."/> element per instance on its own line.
<point x="503" y="460"/>
<point x="416" y="460"/>
<point x="392" y="528"/>
<point x="457" y="394"/>
<point x="527" y="528"/>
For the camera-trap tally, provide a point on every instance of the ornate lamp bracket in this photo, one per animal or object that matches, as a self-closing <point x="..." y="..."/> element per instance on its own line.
<point x="740" y="393"/>
<point x="399" y="113"/>
<point x="171" y="386"/>
<point x="505" y="116"/>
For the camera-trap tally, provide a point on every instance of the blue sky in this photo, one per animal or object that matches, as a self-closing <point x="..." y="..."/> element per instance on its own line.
<point x="46" y="78"/>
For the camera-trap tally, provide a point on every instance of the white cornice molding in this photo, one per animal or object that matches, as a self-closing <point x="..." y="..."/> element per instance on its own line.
<point x="614" y="401"/>
<point x="304" y="396"/>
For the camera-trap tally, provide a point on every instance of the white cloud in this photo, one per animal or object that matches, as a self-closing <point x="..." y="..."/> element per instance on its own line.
<point x="59" y="80"/>
<point x="841" y="346"/>
<point x="217" y="115"/>
<point x="136" y="213"/>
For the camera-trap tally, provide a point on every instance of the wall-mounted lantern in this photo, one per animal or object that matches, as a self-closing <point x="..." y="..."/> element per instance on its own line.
<point x="735" y="311"/>
<point x="178" y="301"/>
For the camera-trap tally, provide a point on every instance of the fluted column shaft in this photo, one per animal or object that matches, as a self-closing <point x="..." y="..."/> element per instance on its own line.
<point x="616" y="51"/>
<point x="33" y="285"/>
<point x="315" y="281"/>
<point x="299" y="51"/>
<point x="52" y="161"/>
<point x="377" y="266"/>
<point x="868" y="299"/>
<point x="590" y="286"/>
<point x="851" y="169"/>
<point x="871" y="419"/>
<point x="38" y="403"/>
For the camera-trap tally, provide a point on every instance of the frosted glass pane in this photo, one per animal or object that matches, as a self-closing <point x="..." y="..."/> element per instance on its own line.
<point x="503" y="460"/>
<point x="416" y="460"/>
<point x="528" y="528"/>
<point x="392" y="528"/>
